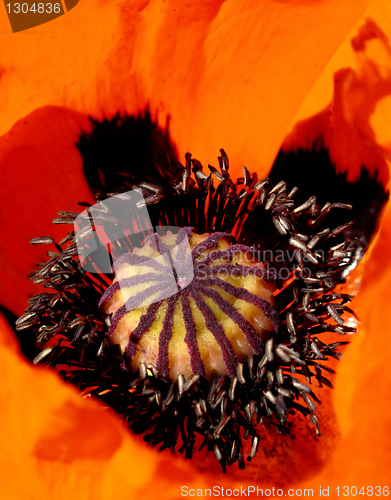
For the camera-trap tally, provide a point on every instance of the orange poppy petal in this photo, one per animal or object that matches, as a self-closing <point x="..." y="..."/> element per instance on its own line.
<point x="230" y="74"/>
<point x="41" y="172"/>
<point x="57" y="445"/>
<point x="218" y="94"/>
<point x="363" y="391"/>
<point x="345" y="126"/>
<point x="36" y="402"/>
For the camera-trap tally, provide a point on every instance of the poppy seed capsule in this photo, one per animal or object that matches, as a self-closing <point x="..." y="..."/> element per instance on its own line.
<point x="190" y="304"/>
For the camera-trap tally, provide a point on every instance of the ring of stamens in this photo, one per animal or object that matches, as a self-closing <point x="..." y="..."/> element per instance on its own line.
<point x="267" y="388"/>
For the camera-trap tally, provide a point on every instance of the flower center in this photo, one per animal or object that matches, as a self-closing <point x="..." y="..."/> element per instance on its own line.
<point x="190" y="304"/>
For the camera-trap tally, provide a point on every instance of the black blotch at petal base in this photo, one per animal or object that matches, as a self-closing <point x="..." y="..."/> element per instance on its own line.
<point x="314" y="174"/>
<point x="123" y="145"/>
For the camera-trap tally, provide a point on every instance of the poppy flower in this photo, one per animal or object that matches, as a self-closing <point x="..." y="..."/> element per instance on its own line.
<point x="69" y="445"/>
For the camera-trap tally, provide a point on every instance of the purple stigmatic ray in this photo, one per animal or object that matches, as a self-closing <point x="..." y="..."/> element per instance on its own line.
<point x="243" y="294"/>
<point x="156" y="243"/>
<point x="227" y="351"/>
<point x="191" y="337"/>
<point x="211" y="242"/>
<point x="201" y="286"/>
<point x="163" y="361"/>
<point x="133" y="303"/>
<point x="183" y="258"/>
<point x="134" y="259"/>
<point x="252" y="335"/>
<point x="129" y="282"/>
<point x="144" y="326"/>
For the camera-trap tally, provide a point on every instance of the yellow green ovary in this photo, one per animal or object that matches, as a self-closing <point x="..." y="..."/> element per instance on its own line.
<point x="207" y="354"/>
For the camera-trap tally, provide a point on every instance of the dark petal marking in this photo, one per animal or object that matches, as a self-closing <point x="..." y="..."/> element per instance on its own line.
<point x="252" y="335"/>
<point x="228" y="353"/>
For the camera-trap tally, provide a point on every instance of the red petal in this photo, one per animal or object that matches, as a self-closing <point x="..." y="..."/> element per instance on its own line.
<point x="40" y="173"/>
